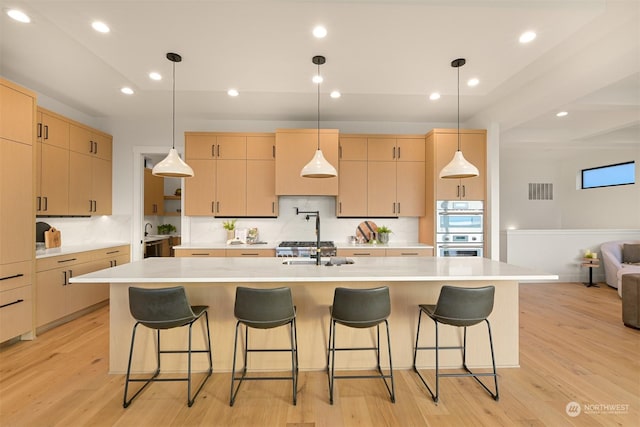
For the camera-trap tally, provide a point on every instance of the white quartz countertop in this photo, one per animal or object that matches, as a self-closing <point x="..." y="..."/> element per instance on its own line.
<point x="242" y="270"/>
<point x="73" y="249"/>
<point x="273" y="245"/>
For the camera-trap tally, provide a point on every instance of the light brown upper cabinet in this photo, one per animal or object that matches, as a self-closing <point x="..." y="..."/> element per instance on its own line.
<point x="89" y="171"/>
<point x="352" y="177"/>
<point x="234" y="174"/>
<point x="153" y="194"/>
<point x="381" y="175"/>
<point x="442" y="144"/>
<point x="294" y="149"/>
<point x="52" y="168"/>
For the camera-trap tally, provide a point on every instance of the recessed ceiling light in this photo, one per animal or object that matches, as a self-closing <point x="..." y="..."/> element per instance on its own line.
<point x="317" y="79"/>
<point x="562" y="114"/>
<point x="155" y="76"/>
<point x="473" y="82"/>
<point x="18" y="15"/>
<point x="233" y="92"/>
<point x="127" y="91"/>
<point x="100" y="27"/>
<point x="320" y="32"/>
<point x="527" y="36"/>
<point x="335" y="94"/>
<point x="434" y="96"/>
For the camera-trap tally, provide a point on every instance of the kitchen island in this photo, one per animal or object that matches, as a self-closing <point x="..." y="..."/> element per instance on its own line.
<point x="412" y="281"/>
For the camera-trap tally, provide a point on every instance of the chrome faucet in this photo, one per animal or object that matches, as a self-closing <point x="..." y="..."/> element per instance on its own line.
<point x="316" y="214"/>
<point x="145" y="229"/>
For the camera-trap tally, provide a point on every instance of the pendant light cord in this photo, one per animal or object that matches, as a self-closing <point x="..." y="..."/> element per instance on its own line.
<point x="319" y="107"/>
<point x="458" y="108"/>
<point x="173" y="134"/>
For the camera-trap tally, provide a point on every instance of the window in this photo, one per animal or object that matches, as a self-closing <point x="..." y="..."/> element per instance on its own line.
<point x="607" y="176"/>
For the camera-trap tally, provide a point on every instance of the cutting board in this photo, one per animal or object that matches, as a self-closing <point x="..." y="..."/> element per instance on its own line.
<point x="366" y="229"/>
<point x="52" y="238"/>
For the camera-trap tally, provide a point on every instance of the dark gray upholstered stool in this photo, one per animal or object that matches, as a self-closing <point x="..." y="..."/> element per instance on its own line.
<point x="360" y="308"/>
<point x="166" y="308"/>
<point x="264" y="309"/>
<point x="462" y="307"/>
<point x="631" y="300"/>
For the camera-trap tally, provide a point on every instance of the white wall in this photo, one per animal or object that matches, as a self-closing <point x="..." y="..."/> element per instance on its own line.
<point x="571" y="207"/>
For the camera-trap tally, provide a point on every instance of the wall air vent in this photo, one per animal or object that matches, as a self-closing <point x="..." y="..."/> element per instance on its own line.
<point x="538" y="191"/>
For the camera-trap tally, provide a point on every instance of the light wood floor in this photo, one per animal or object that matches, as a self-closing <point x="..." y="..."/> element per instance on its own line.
<point x="574" y="348"/>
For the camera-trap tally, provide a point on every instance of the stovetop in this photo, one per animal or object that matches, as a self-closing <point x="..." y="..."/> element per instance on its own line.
<point x="305" y="244"/>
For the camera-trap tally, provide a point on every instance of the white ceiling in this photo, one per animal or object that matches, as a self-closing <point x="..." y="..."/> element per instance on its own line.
<point x="385" y="57"/>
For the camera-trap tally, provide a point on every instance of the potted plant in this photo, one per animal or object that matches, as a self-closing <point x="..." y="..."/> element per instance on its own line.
<point x="230" y="226"/>
<point x="383" y="234"/>
<point x="166" y="229"/>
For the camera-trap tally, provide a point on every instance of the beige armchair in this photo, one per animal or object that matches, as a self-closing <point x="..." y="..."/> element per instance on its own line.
<point x="611" y="253"/>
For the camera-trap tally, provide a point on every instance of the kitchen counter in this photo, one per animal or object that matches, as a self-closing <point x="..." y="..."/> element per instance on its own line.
<point x="72" y="249"/>
<point x="273" y="245"/>
<point x="412" y="281"/>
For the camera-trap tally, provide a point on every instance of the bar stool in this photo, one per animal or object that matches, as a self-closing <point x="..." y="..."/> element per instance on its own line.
<point x="159" y="309"/>
<point x="264" y="309"/>
<point x="461" y="307"/>
<point x="359" y="308"/>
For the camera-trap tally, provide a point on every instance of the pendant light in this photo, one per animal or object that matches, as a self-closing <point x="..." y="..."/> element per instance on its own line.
<point x="459" y="167"/>
<point x="318" y="167"/>
<point x="173" y="165"/>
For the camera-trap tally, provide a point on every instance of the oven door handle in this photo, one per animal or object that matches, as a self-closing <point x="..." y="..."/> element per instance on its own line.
<point x="462" y="213"/>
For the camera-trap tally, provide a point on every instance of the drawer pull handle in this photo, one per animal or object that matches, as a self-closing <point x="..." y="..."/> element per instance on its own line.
<point x="67" y="260"/>
<point x="15" y="276"/>
<point x="12" y="303"/>
<point x="249" y="254"/>
<point x="200" y="254"/>
<point x="112" y="252"/>
<point x="362" y="253"/>
<point x="409" y="253"/>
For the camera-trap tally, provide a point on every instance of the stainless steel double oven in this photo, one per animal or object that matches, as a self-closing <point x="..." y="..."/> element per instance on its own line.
<point x="459" y="228"/>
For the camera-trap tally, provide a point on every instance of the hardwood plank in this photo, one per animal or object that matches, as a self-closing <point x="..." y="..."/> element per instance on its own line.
<point x="574" y="348"/>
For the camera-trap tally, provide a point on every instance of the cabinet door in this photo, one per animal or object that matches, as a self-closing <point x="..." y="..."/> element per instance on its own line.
<point x="54" y="130"/>
<point x="16" y="115"/>
<point x="410" y="149"/>
<point x="101" y="186"/>
<point x="199" y="146"/>
<point x="473" y="147"/>
<point x="54" y="185"/>
<point x="381" y="189"/>
<point x="410" y="189"/>
<point x="80" y="140"/>
<point x="82" y="295"/>
<point x="352" y="193"/>
<point x="153" y="194"/>
<point x="80" y="197"/>
<point x="103" y="146"/>
<point x="381" y="149"/>
<point x="200" y="190"/>
<point x="261" y="188"/>
<point x="231" y="189"/>
<point x="16" y="202"/>
<point x="474" y="150"/>
<point x="229" y="147"/>
<point x="261" y="147"/>
<point x="353" y="148"/>
<point x="50" y="295"/>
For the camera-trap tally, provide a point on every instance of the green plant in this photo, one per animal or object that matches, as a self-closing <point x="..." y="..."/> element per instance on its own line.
<point x="383" y="229"/>
<point x="229" y="225"/>
<point x="166" y="228"/>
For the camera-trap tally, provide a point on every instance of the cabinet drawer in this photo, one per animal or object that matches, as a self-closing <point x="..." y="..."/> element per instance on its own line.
<point x="44" y="264"/>
<point x="15" y="275"/>
<point x="361" y="252"/>
<point x="15" y="312"/>
<point x="200" y="253"/>
<point x="112" y="252"/>
<point x="251" y="252"/>
<point x="410" y="252"/>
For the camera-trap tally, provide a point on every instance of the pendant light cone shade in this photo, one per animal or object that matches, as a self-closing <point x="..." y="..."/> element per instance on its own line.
<point x="318" y="167"/>
<point x="459" y="167"/>
<point x="173" y="166"/>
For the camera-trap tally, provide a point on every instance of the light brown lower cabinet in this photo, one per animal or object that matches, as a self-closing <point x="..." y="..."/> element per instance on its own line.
<point x="249" y="253"/>
<point x="357" y="252"/>
<point x="57" y="298"/>
<point x="16" y="300"/>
